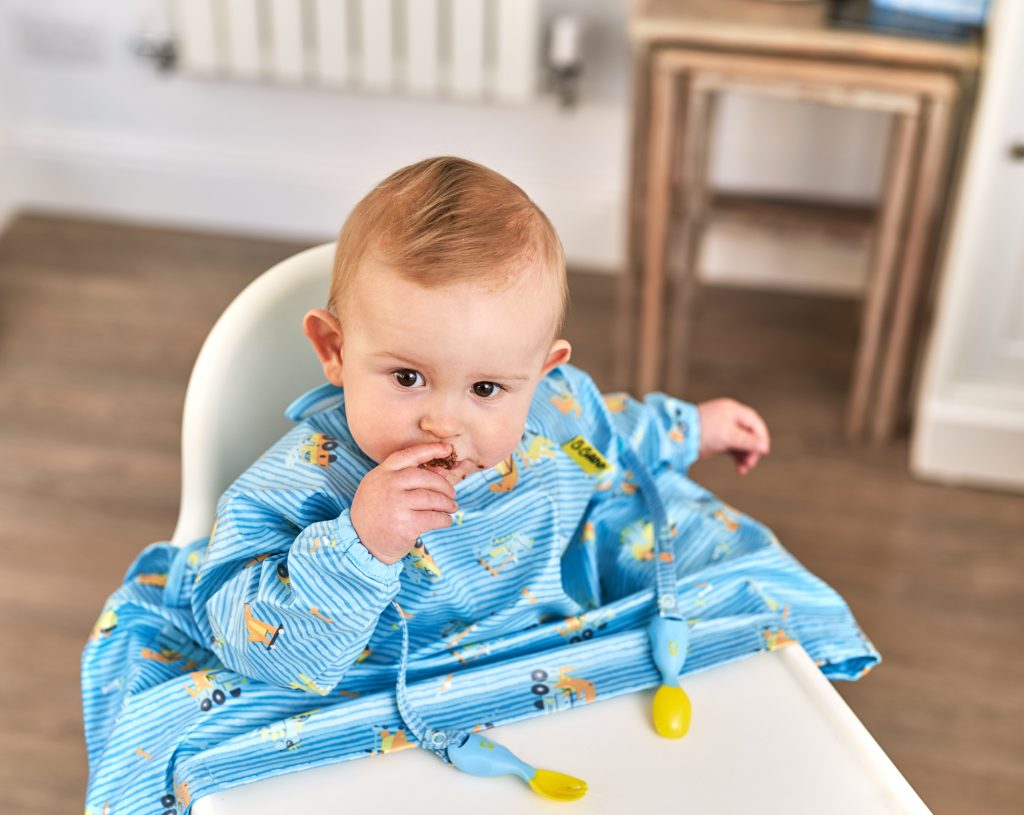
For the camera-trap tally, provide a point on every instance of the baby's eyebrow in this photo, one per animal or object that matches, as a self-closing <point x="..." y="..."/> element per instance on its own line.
<point x="503" y="378"/>
<point x="398" y="358"/>
<point x="480" y="378"/>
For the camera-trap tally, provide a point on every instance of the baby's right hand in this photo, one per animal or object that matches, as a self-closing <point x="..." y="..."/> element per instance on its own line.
<point x="398" y="501"/>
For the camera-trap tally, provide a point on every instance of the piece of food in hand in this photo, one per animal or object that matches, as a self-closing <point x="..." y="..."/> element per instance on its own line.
<point x="445" y="463"/>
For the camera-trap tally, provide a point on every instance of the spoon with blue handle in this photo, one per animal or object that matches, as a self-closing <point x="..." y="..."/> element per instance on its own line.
<point x="670" y="639"/>
<point x="480" y="756"/>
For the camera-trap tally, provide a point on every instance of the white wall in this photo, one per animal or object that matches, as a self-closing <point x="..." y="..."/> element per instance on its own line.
<point x="91" y="128"/>
<point x="7" y="192"/>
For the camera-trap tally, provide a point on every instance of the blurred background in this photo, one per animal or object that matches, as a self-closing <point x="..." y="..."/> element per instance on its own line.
<point x="851" y="264"/>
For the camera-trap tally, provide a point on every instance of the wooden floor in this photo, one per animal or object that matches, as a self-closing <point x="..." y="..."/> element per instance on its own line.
<point x="99" y="326"/>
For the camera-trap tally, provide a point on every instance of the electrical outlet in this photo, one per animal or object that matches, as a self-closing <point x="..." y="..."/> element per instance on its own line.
<point x="48" y="38"/>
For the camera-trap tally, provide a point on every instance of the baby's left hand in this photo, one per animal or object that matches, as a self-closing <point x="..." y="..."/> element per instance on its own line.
<point x="728" y="426"/>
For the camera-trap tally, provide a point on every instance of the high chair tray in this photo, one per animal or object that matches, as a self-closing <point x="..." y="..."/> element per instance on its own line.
<point x="769" y="735"/>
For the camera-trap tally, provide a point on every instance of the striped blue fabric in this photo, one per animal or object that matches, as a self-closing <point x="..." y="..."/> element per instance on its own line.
<point x="273" y="645"/>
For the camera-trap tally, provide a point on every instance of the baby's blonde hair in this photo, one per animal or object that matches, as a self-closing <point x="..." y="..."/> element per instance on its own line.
<point x="446" y="220"/>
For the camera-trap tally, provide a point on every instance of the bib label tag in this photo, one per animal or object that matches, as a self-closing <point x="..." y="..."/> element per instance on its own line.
<point x="587" y="456"/>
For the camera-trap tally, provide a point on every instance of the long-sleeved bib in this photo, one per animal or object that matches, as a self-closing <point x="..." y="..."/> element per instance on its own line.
<point x="273" y="645"/>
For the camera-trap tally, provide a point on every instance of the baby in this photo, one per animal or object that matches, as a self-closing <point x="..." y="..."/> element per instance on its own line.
<point x="457" y="465"/>
<point x="448" y="297"/>
<point x="440" y="341"/>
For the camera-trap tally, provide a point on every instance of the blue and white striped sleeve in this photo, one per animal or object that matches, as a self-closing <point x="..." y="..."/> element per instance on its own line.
<point x="287" y="593"/>
<point x="663" y="430"/>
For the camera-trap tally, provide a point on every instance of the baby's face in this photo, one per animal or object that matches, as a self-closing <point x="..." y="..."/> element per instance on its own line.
<point x="457" y="364"/>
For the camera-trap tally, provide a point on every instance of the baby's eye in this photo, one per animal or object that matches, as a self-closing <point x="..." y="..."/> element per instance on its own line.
<point x="486" y="390"/>
<point x="407" y="378"/>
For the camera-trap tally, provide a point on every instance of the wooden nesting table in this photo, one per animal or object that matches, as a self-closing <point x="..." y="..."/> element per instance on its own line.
<point x="686" y="52"/>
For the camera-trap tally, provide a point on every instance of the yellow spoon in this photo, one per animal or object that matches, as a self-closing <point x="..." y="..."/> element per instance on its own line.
<point x="480" y="756"/>
<point x="672" y="710"/>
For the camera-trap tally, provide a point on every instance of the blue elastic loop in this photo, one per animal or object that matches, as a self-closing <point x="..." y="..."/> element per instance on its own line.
<point x="429" y="738"/>
<point x="664" y="570"/>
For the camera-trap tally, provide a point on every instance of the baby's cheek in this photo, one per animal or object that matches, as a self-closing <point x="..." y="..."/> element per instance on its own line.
<point x="374" y="437"/>
<point x="501" y="440"/>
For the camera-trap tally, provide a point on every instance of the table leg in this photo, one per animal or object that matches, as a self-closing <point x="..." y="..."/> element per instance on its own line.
<point x="921" y="235"/>
<point x="624" y="353"/>
<point x="892" y="215"/>
<point x="686" y="248"/>
<point x="657" y="212"/>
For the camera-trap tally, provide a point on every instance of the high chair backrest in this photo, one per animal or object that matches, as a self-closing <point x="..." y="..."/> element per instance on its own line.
<point x="254" y="362"/>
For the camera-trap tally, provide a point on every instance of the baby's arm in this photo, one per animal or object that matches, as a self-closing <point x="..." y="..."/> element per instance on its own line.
<point x="663" y="430"/>
<point x="288" y="593"/>
<point x="285" y="600"/>
<point x="668" y="431"/>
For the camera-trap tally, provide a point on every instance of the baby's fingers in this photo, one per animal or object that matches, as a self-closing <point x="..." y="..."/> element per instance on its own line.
<point x="417" y="454"/>
<point x="425" y="499"/>
<point x="739" y="439"/>
<point x="750" y="420"/>
<point x="422" y="478"/>
<point x="746" y="460"/>
<point x="428" y="520"/>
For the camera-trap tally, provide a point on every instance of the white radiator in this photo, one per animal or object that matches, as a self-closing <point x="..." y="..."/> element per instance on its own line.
<point x="467" y="49"/>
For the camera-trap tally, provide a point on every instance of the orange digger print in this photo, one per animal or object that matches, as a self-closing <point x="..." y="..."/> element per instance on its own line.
<point x="509" y="472"/>
<point x="184" y="797"/>
<point x="727" y="517"/>
<point x="615" y="402"/>
<point x="567" y="403"/>
<point x="167" y="656"/>
<point x="577" y="688"/>
<point x="259" y="631"/>
<point x="567" y="692"/>
<point x="388" y="741"/>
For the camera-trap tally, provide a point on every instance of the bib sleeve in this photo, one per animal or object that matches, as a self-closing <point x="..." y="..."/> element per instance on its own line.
<point x="287" y="593"/>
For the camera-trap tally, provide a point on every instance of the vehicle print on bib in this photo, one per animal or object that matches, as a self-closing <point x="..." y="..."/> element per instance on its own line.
<point x="316" y="449"/>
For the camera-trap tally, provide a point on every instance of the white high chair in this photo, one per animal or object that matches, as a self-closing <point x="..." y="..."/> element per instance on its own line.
<point x="255" y="361"/>
<point x="769" y="732"/>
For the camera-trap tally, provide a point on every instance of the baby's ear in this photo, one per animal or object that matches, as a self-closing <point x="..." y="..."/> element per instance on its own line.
<point x="558" y="355"/>
<point x="324" y="332"/>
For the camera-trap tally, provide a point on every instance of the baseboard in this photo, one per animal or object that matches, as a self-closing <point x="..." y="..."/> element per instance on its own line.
<point x="968" y="443"/>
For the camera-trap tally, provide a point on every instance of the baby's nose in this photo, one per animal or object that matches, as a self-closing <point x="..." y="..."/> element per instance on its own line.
<point x="442" y="424"/>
